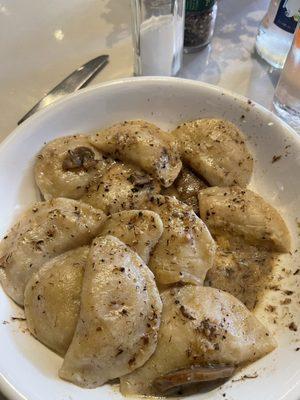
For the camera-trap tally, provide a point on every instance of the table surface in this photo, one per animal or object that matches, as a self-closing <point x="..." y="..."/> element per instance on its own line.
<point x="46" y="40"/>
<point x="43" y="46"/>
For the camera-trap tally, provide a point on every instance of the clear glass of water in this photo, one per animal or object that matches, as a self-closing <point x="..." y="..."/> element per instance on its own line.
<point x="157" y="30"/>
<point x="287" y="94"/>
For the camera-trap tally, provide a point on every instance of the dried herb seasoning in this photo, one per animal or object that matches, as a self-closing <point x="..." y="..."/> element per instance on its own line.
<point x="200" y="18"/>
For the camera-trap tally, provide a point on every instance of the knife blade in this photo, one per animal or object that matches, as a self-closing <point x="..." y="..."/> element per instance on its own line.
<point x="76" y="80"/>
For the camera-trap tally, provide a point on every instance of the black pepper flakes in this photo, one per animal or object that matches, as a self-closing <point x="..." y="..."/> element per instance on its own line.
<point x="131" y="361"/>
<point x="297" y="272"/>
<point x="199" y="24"/>
<point x="286" y="301"/>
<point x="270" y="308"/>
<point x="293" y="327"/>
<point x="186" y="314"/>
<point x="120" y="351"/>
<point x="276" y="158"/>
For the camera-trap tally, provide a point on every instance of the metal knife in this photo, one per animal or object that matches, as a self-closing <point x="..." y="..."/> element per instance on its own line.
<point x="79" y="78"/>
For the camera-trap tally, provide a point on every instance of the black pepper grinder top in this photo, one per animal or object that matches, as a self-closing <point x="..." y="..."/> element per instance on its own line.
<point x="200" y="17"/>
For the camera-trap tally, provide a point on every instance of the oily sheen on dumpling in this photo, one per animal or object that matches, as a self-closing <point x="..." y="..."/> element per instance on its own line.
<point x="144" y="145"/>
<point x="119" y="316"/>
<point x="186" y="249"/>
<point x="242" y="270"/>
<point x="52" y="295"/>
<point x="52" y="299"/>
<point x="242" y="212"/>
<point x="249" y="234"/>
<point x="140" y="230"/>
<point x="200" y="326"/>
<point x="215" y="149"/>
<point x="66" y="165"/>
<point x="44" y="231"/>
<point x="188" y="186"/>
<point x="120" y="188"/>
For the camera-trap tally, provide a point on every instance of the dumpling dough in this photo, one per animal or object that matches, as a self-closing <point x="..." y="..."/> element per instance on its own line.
<point x="248" y="232"/>
<point x="119" y="316"/>
<point x="66" y="165"/>
<point x="140" y="230"/>
<point x="243" y="213"/>
<point x="119" y="188"/>
<point x="186" y="249"/>
<point x="216" y="150"/>
<point x="144" y="145"/>
<point x="241" y="270"/>
<point x="44" y="231"/>
<point x="52" y="299"/>
<point x="52" y="295"/>
<point x="200" y="326"/>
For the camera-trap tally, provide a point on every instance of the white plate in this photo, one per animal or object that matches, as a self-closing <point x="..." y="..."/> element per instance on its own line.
<point x="28" y="369"/>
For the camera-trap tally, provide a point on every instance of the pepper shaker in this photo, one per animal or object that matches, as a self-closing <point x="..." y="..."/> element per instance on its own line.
<point x="200" y="17"/>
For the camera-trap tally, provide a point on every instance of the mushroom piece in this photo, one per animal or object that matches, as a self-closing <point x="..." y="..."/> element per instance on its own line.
<point x="193" y="374"/>
<point x="44" y="231"/>
<point x="144" y="145"/>
<point x="79" y="158"/>
<point x="215" y="149"/>
<point x="66" y="165"/>
<point x="188" y="186"/>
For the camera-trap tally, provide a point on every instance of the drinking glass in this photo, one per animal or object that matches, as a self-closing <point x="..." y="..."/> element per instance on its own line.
<point x="287" y="94"/>
<point x="157" y="31"/>
<point x="275" y="33"/>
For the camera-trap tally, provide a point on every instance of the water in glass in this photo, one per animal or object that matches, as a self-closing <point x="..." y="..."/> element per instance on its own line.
<point x="287" y="95"/>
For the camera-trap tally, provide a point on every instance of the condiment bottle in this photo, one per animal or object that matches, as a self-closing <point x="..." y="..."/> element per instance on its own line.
<point x="157" y="33"/>
<point x="275" y="33"/>
<point x="200" y="17"/>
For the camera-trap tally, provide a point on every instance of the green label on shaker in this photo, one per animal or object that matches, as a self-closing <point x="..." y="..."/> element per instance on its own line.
<point x="198" y="5"/>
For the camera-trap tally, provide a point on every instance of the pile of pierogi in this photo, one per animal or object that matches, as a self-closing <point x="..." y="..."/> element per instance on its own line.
<point x="147" y="256"/>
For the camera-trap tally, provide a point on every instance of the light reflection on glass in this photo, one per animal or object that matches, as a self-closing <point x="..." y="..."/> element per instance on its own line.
<point x="58" y="34"/>
<point x="3" y="10"/>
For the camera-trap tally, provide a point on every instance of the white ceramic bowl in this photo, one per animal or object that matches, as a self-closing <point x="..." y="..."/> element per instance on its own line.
<point x="28" y="369"/>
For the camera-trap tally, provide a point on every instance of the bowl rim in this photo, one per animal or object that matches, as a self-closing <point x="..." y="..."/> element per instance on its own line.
<point x="149" y="80"/>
